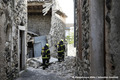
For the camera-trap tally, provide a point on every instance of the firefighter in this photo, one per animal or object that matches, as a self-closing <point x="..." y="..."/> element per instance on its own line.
<point x="47" y="51"/>
<point x="61" y="49"/>
<point x="59" y="52"/>
<point x="44" y="58"/>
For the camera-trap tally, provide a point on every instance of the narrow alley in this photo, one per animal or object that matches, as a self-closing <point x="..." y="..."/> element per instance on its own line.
<point x="59" y="40"/>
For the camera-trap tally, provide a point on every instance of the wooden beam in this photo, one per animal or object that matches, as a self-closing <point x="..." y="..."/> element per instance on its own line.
<point x="79" y="13"/>
<point x="35" y="3"/>
<point x="34" y="11"/>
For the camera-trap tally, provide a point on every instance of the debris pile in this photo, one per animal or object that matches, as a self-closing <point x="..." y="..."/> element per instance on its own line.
<point x="34" y="62"/>
<point x="37" y="62"/>
<point x="63" y="69"/>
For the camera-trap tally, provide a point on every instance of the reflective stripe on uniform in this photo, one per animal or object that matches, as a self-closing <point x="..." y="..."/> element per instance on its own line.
<point x="47" y="50"/>
<point x="57" y="46"/>
<point x="42" y="51"/>
<point x="45" y="57"/>
<point x="62" y="45"/>
<point x="60" y="51"/>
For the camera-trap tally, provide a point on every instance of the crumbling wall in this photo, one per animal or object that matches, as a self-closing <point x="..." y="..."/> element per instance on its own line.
<point x="19" y="19"/>
<point x="85" y="37"/>
<point x="57" y="30"/>
<point x="113" y="37"/>
<point x="39" y="24"/>
<point x="6" y="39"/>
<point x="12" y="15"/>
<point x="83" y="64"/>
<point x="109" y="57"/>
<point x="2" y="40"/>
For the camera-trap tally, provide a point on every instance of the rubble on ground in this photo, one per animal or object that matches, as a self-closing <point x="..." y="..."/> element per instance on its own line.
<point x="36" y="62"/>
<point x="32" y="62"/>
<point x="63" y="69"/>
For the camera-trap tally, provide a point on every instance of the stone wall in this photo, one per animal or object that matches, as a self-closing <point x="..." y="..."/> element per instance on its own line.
<point x="97" y="38"/>
<point x="100" y="38"/>
<point x="83" y="64"/>
<point x="39" y="24"/>
<point x="109" y="57"/>
<point x="57" y="30"/>
<point x="85" y="37"/>
<point x="2" y="40"/>
<point x="13" y="13"/>
<point x="113" y="37"/>
<point x="49" y="23"/>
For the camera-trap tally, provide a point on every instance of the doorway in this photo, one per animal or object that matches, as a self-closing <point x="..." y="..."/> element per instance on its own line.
<point x="21" y="48"/>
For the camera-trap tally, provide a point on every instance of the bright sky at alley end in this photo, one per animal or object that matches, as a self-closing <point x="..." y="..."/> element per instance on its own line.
<point x="68" y="8"/>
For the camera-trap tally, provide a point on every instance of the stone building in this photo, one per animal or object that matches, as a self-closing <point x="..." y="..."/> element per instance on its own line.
<point x="97" y="32"/>
<point x="45" y="18"/>
<point x="58" y="24"/>
<point x="38" y="23"/>
<point x="13" y="26"/>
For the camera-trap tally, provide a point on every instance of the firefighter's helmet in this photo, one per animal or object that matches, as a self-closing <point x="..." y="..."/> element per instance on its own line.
<point x="47" y="44"/>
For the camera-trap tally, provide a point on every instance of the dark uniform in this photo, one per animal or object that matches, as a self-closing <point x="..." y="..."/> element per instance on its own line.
<point x="61" y="49"/>
<point x="44" y="58"/>
<point x="59" y="53"/>
<point x="47" y="51"/>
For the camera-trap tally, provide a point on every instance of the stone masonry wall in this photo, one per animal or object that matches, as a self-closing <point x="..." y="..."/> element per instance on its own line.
<point x="57" y="30"/>
<point x="83" y="65"/>
<point x="79" y="65"/>
<point x="13" y="13"/>
<point x="113" y="37"/>
<point x="39" y="24"/>
<point x="109" y="57"/>
<point x="19" y="19"/>
<point x="85" y="37"/>
<point x="2" y="40"/>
